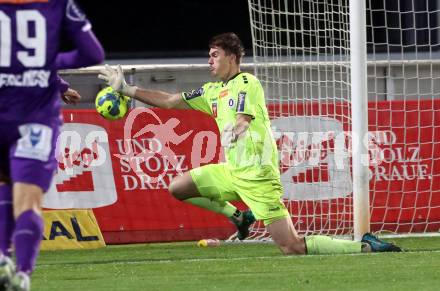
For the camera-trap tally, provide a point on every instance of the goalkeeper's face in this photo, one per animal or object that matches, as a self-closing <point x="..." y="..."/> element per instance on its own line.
<point x="221" y="66"/>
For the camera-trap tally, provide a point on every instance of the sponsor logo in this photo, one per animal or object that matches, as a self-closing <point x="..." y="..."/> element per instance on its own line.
<point x="214" y="109"/>
<point x="315" y="156"/>
<point x="193" y="94"/>
<point x="85" y="175"/>
<point x="223" y="93"/>
<point x="394" y="161"/>
<point x="29" y="78"/>
<point x="309" y="158"/>
<point x="240" y="102"/>
<point x="71" y="229"/>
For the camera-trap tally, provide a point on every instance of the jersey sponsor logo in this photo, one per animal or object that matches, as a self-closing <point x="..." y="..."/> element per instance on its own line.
<point x="29" y="78"/>
<point x="214" y="109"/>
<point x="73" y="12"/>
<point x="241" y="100"/>
<point x="35" y="142"/>
<point x="223" y="93"/>
<point x="193" y="94"/>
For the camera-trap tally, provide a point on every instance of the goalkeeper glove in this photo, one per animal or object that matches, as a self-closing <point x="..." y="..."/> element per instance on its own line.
<point x="228" y="136"/>
<point x="115" y="79"/>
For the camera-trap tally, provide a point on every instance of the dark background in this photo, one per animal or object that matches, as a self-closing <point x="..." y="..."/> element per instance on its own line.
<point x="182" y="28"/>
<point x="162" y="28"/>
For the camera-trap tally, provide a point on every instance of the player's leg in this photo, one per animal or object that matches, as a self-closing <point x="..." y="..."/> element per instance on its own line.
<point x="32" y="165"/>
<point x="28" y="225"/>
<point x="28" y="231"/>
<point x="209" y="187"/>
<point x="6" y="214"/>
<point x="6" y="228"/>
<point x="184" y="189"/>
<point x="7" y="270"/>
<point x="7" y="222"/>
<point x="285" y="236"/>
<point x="263" y="197"/>
<point x="290" y="243"/>
<point x="279" y="225"/>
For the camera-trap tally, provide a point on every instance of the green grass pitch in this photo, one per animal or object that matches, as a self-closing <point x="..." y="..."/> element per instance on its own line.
<point x="184" y="266"/>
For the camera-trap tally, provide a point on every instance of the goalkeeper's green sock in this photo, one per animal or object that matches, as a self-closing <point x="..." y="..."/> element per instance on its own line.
<point x="221" y="207"/>
<point x="323" y="245"/>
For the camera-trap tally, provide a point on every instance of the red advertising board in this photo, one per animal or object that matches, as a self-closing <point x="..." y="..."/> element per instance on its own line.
<point x="403" y="143"/>
<point x="122" y="169"/>
<point x="142" y="210"/>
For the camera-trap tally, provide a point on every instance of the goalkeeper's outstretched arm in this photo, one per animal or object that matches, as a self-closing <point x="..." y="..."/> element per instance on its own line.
<point x="160" y="99"/>
<point x="115" y="79"/>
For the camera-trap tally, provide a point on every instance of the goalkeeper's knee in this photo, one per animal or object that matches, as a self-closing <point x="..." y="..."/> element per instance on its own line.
<point x="292" y="249"/>
<point x="182" y="188"/>
<point x="174" y="190"/>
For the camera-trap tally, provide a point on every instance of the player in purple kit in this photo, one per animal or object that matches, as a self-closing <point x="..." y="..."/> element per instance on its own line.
<point x="31" y="32"/>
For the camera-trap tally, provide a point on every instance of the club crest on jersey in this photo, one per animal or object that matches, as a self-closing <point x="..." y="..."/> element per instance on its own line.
<point x="241" y="100"/>
<point x="214" y="109"/>
<point x="35" y="136"/>
<point x="193" y="94"/>
<point x="231" y="103"/>
<point x="35" y="142"/>
<point x="223" y="93"/>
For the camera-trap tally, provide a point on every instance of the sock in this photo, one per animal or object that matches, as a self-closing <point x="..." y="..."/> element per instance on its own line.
<point x="237" y="217"/>
<point x="7" y="221"/>
<point x="221" y="207"/>
<point x="321" y="245"/>
<point x="27" y="238"/>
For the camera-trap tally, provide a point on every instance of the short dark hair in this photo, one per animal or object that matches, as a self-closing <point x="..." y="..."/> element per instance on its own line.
<point x="230" y="43"/>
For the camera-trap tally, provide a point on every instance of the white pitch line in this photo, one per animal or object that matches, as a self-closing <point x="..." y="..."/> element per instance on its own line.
<point x="231" y="259"/>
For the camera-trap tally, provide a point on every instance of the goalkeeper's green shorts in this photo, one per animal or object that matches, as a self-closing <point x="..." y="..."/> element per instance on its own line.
<point x="263" y="197"/>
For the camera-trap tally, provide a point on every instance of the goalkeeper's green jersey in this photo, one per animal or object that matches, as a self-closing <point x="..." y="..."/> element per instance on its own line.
<point x="254" y="156"/>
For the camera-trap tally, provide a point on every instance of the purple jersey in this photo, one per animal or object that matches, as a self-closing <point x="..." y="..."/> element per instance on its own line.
<point x="30" y="36"/>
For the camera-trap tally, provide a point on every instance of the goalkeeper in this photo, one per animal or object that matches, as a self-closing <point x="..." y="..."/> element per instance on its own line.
<point x="251" y="171"/>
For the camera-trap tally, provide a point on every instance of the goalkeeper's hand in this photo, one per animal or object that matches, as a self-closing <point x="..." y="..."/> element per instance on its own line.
<point x="115" y="79"/>
<point x="228" y="136"/>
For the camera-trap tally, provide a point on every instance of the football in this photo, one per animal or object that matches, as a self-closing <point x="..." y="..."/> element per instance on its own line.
<point x="110" y="104"/>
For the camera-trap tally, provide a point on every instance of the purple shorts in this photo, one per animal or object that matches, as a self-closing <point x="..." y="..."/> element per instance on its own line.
<point x="27" y="152"/>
